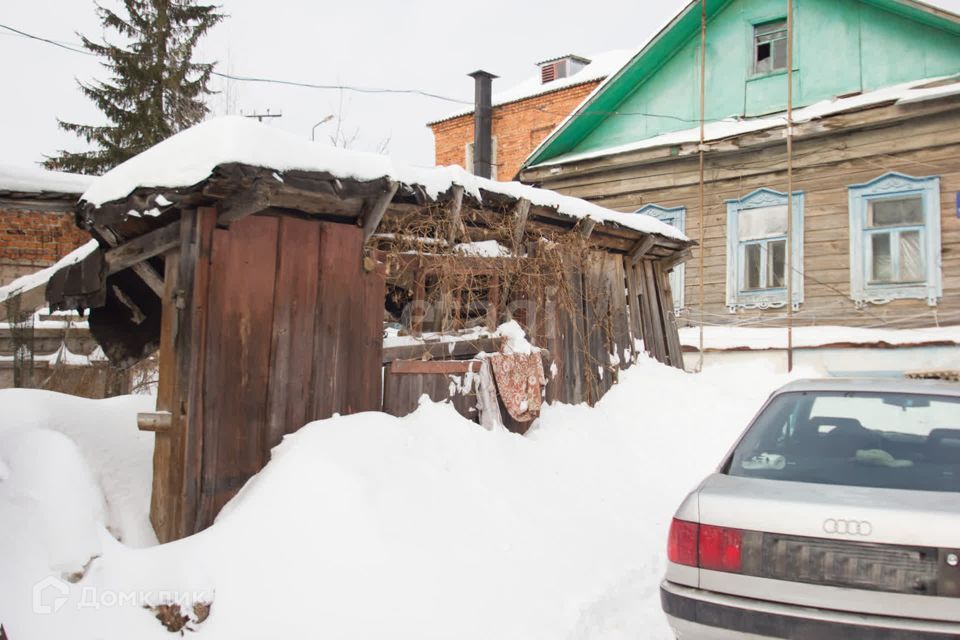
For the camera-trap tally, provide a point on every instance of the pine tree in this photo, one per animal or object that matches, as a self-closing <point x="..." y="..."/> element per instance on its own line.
<point x="156" y="89"/>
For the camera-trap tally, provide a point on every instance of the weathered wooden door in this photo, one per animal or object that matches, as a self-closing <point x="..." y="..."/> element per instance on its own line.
<point x="283" y="325"/>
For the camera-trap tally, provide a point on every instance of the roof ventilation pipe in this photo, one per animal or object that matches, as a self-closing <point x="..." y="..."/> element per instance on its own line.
<point x="483" y="124"/>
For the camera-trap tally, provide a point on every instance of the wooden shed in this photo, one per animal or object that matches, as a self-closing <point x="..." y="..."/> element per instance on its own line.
<point x="250" y="267"/>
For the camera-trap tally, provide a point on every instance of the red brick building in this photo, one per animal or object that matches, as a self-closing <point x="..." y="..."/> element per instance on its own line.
<point x="36" y="218"/>
<point x="525" y="114"/>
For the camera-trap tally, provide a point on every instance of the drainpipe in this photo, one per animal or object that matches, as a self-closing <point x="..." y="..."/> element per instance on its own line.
<point x="483" y="124"/>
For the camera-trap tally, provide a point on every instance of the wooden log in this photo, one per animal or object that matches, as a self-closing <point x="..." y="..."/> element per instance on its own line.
<point x="373" y="216"/>
<point x="156" y="422"/>
<point x="585" y="227"/>
<point x="453" y="214"/>
<point x="445" y="367"/>
<point x="520" y="212"/>
<point x="142" y="248"/>
<point x="242" y="204"/>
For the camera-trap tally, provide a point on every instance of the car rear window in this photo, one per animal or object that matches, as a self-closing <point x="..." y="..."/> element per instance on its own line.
<point x="864" y="439"/>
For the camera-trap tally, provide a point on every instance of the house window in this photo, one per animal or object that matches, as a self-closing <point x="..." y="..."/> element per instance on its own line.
<point x="770" y="47"/>
<point x="895" y="239"/>
<point x="675" y="217"/>
<point x="468" y="157"/>
<point x="757" y="268"/>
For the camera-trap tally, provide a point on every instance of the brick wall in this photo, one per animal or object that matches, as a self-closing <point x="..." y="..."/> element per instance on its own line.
<point x="30" y="240"/>
<point x="518" y="128"/>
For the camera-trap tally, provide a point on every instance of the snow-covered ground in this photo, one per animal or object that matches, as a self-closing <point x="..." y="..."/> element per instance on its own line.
<point x="370" y="526"/>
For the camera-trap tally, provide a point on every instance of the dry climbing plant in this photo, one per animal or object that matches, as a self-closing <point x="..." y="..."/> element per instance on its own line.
<point x="542" y="282"/>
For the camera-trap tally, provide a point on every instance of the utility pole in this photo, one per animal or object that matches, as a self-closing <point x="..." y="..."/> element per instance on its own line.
<point x="788" y="268"/>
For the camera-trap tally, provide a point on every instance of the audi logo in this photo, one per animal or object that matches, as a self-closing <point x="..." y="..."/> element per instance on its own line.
<point x="847" y="527"/>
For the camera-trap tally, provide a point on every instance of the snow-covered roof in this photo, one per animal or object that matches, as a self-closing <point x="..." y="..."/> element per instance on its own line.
<point x="601" y="65"/>
<point x="33" y="179"/>
<point x="903" y="93"/>
<point x="190" y="157"/>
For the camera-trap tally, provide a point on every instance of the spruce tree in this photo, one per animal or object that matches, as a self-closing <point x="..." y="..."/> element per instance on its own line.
<point x="156" y="89"/>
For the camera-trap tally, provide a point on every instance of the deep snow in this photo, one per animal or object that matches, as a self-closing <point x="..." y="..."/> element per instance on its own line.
<point x="370" y="526"/>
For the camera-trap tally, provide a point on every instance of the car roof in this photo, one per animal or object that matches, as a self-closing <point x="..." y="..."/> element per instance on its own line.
<point x="877" y="385"/>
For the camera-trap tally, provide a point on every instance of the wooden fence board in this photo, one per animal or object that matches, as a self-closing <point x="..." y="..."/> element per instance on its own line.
<point x="402" y="392"/>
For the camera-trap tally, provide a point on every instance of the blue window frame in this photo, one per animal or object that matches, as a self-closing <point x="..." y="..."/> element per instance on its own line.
<point x="895" y="239"/>
<point x="757" y="269"/>
<point x="675" y="217"/>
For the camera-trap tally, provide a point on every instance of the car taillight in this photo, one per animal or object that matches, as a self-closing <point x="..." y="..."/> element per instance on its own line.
<point x="720" y="548"/>
<point x="705" y="546"/>
<point x="682" y="542"/>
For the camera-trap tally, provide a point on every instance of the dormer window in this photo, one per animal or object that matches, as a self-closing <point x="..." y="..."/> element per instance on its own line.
<point x="770" y="47"/>
<point x="557" y="68"/>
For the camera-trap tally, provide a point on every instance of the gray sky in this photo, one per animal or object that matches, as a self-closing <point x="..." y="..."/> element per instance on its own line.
<point x="407" y="44"/>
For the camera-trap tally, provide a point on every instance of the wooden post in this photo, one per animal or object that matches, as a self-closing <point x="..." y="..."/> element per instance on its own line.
<point x="633" y="301"/>
<point x="164" y="494"/>
<point x="196" y="237"/>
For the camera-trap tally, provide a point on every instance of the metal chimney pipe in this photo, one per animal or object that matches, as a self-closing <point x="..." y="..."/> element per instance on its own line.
<point x="483" y="124"/>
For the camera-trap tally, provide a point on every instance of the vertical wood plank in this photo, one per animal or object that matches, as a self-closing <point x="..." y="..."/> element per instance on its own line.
<point x="291" y="361"/>
<point x="193" y="277"/>
<point x="672" y="334"/>
<point x="237" y="363"/>
<point x="163" y="497"/>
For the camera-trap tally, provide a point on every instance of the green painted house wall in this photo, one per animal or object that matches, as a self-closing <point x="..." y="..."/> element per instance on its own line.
<point x="840" y="47"/>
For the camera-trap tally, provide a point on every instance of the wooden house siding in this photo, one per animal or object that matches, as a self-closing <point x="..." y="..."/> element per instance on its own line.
<point x="913" y="139"/>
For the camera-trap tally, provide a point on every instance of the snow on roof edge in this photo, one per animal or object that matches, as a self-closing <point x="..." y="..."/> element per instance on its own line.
<point x="190" y="157"/>
<point x="32" y="179"/>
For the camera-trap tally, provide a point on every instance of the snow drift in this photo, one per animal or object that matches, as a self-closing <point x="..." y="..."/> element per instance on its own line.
<point x="419" y="527"/>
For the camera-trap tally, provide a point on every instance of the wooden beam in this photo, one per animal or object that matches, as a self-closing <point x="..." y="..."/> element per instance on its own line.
<point x="437" y="350"/>
<point x="520" y="213"/>
<point x="641" y="248"/>
<point x="456" y="203"/>
<point x="147" y="273"/>
<point x="435" y="366"/>
<point x="142" y="248"/>
<point x="242" y="204"/>
<point x="676" y="259"/>
<point x="373" y="216"/>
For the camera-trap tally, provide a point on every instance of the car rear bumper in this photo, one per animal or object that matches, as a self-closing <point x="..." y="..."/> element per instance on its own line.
<point x="696" y="614"/>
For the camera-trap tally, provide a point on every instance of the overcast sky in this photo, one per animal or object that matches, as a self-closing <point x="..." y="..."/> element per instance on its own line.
<point x="397" y="44"/>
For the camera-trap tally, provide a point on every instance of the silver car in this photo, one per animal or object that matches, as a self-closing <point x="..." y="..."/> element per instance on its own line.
<point x="836" y="515"/>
